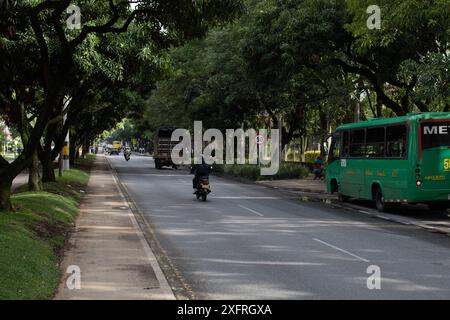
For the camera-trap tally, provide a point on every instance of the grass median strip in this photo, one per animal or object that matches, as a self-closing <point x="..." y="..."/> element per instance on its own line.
<point x="32" y="237"/>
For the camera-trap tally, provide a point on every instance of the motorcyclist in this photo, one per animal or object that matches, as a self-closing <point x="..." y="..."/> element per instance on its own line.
<point x="199" y="170"/>
<point x="127" y="153"/>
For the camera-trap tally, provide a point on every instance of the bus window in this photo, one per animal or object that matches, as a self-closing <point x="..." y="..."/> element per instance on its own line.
<point x="396" y="141"/>
<point x="375" y="142"/>
<point x="335" y="148"/>
<point x="345" y="145"/>
<point x="357" y="143"/>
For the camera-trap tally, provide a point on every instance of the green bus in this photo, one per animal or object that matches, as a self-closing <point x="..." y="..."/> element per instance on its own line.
<point x="393" y="161"/>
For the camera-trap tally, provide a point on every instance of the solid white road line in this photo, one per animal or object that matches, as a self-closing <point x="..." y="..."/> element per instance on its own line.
<point x="341" y="250"/>
<point x="251" y="210"/>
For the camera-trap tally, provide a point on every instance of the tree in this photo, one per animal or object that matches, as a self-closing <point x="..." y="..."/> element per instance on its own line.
<point x="42" y="26"/>
<point x="238" y="76"/>
<point x="315" y="33"/>
<point x="411" y="32"/>
<point x="309" y="62"/>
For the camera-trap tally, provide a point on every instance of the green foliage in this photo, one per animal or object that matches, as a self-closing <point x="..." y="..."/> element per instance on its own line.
<point x="308" y="61"/>
<point x="311" y="156"/>
<point x="124" y="131"/>
<point x="246" y="74"/>
<point x="105" y="70"/>
<point x="410" y="48"/>
<point x="289" y="171"/>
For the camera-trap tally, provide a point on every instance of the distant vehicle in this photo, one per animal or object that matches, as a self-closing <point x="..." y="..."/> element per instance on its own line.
<point x="163" y="148"/>
<point x="115" y="148"/>
<point x="393" y="161"/>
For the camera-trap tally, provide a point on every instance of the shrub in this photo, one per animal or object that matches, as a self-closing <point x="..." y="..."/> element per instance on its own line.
<point x="311" y="156"/>
<point x="253" y="172"/>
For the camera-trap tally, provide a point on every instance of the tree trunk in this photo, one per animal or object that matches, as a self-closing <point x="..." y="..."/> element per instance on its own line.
<point x="72" y="150"/>
<point x="5" y="195"/>
<point x="303" y="147"/>
<point x="379" y="108"/>
<point x="34" y="176"/>
<point x="85" y="150"/>
<point x="356" y="110"/>
<point x="48" y="173"/>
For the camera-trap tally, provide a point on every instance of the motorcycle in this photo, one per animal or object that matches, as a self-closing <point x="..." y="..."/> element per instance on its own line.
<point x="202" y="189"/>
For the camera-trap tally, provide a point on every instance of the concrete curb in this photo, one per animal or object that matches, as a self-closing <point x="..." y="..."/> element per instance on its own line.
<point x="300" y="190"/>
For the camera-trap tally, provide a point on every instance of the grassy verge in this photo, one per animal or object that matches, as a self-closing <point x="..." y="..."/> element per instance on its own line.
<point x="33" y="236"/>
<point x="253" y="172"/>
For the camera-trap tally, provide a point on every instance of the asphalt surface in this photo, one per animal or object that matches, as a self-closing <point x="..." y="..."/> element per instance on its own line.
<point x="252" y="242"/>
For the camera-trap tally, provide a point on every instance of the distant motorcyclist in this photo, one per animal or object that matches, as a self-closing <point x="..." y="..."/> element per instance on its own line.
<point x="200" y="170"/>
<point x="127" y="153"/>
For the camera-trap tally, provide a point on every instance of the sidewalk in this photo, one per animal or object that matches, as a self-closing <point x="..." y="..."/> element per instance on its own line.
<point x="109" y="247"/>
<point x="301" y="185"/>
<point x="20" y="180"/>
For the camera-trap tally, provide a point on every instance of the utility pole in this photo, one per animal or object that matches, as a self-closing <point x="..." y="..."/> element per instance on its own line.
<point x="64" y="163"/>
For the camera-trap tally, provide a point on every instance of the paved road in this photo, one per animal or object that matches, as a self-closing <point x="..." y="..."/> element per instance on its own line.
<point x="250" y="242"/>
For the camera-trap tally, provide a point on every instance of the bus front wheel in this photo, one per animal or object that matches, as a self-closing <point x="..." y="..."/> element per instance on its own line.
<point x="379" y="201"/>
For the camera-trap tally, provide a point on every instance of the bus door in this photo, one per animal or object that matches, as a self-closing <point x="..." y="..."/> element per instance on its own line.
<point x="352" y="165"/>
<point x="434" y="138"/>
<point x="376" y="166"/>
<point x="397" y="168"/>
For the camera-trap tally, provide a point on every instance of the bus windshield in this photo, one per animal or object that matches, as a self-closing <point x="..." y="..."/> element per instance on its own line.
<point x="435" y="134"/>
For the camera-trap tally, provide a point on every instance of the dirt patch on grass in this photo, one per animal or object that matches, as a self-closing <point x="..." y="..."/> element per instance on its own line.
<point x="46" y="230"/>
<point x="72" y="189"/>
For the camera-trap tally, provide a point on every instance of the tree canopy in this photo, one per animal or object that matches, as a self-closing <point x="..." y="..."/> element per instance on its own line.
<point x="46" y="63"/>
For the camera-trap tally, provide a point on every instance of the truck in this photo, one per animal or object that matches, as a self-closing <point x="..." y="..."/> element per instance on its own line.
<point x="163" y="148"/>
<point x="115" y="149"/>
